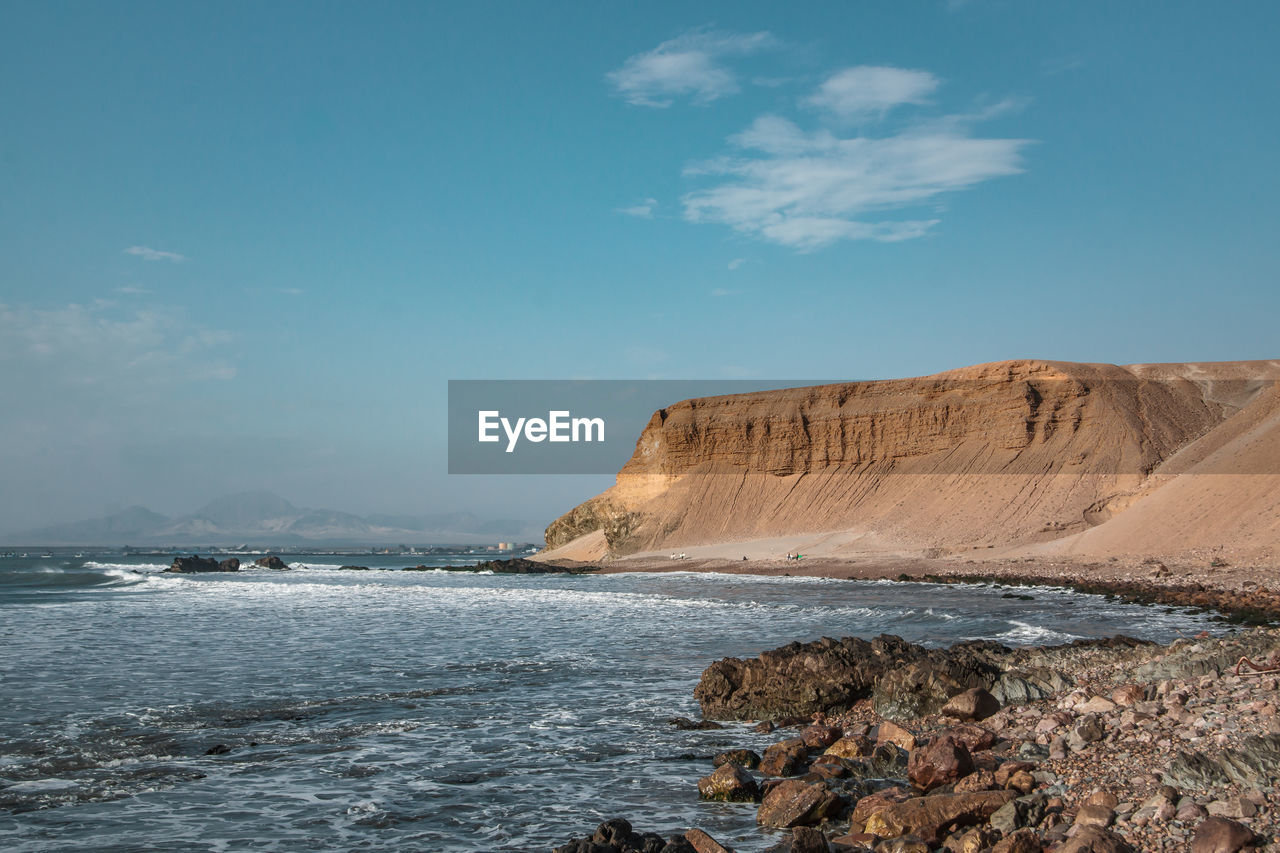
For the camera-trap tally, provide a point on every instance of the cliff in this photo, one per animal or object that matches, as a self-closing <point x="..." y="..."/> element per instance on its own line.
<point x="1021" y="453"/>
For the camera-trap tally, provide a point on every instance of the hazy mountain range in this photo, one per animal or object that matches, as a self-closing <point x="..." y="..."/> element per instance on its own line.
<point x="265" y="518"/>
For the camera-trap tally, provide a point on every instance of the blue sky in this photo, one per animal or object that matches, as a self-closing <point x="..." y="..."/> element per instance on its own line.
<point x="245" y="245"/>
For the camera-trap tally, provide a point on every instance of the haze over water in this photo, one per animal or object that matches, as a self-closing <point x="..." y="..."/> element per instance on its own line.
<point x="389" y="710"/>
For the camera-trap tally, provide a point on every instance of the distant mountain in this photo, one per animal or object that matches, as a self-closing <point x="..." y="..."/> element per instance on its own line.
<point x="264" y="517"/>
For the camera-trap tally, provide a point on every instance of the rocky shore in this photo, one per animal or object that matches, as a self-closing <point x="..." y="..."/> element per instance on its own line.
<point x="1092" y="747"/>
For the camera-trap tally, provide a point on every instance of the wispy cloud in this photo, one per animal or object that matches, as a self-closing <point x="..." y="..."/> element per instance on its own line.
<point x="644" y="209"/>
<point x="690" y="64"/>
<point x="132" y="290"/>
<point x="149" y="254"/>
<point x="292" y="291"/>
<point x="736" y="262"/>
<point x="870" y="91"/>
<point x="116" y="352"/>
<point x="807" y="189"/>
<point x="723" y="291"/>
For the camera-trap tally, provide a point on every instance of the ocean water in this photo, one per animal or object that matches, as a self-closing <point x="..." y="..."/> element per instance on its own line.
<point x="386" y="710"/>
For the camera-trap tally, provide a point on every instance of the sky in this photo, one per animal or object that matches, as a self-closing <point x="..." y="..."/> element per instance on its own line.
<point x="245" y="245"/>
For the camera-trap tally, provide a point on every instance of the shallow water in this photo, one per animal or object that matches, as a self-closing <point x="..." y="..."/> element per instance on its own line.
<point x="407" y="710"/>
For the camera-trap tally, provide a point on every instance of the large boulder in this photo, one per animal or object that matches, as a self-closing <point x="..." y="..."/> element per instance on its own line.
<point x="1220" y="835"/>
<point x="196" y="565"/>
<point x="794" y="802"/>
<point x="729" y="783"/>
<point x="1095" y="839"/>
<point x="271" y="562"/>
<point x="972" y="705"/>
<point x="927" y="817"/>
<point x="944" y="761"/>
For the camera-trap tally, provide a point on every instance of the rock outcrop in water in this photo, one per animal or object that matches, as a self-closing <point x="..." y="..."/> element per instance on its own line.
<point x="196" y="564"/>
<point x="903" y="680"/>
<point x="1012" y="453"/>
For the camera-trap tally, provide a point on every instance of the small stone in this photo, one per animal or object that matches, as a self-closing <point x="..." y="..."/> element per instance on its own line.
<point x="729" y="783"/>
<point x="973" y="704"/>
<point x="1095" y="815"/>
<point x="897" y="735"/>
<point x="704" y="843"/>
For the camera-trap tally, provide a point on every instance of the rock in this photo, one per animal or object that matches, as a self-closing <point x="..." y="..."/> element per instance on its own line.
<point x="1095" y="839"/>
<point x="1095" y="815"/>
<point x="851" y="746"/>
<point x="729" y="783"/>
<point x="196" y="565"/>
<point x="686" y="724"/>
<point x="903" y="844"/>
<point x="1096" y="705"/>
<point x="971" y="705"/>
<point x="1006" y="771"/>
<point x="1251" y="763"/>
<point x="1018" y="813"/>
<point x="865" y="807"/>
<point x="975" y="738"/>
<point x="742" y="757"/>
<point x="1232" y="807"/>
<point x="1219" y="835"/>
<point x="353" y="568"/>
<point x="271" y="562"/>
<point x="1127" y="694"/>
<point x="704" y="843"/>
<point x="793" y="802"/>
<point x="785" y="758"/>
<point x="927" y="816"/>
<point x="975" y="840"/>
<point x="1022" y="841"/>
<point x="893" y="733"/>
<point x="978" y="780"/>
<point x="820" y="736"/>
<point x="1086" y="731"/>
<point x="1102" y="798"/>
<point x="942" y="762"/>
<point x="617" y="836"/>
<point x="805" y="839"/>
<point x="1022" y="687"/>
<point x="904" y="680"/>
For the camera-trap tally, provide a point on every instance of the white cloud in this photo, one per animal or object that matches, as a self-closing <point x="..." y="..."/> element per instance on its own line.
<point x="292" y="291"/>
<point x="644" y="209"/>
<point x="809" y="189"/>
<point x="104" y="353"/>
<point x="686" y="65"/>
<point x="132" y="290"/>
<point x="723" y="291"/>
<point x="736" y="262"/>
<point x="870" y="91"/>
<point x="149" y="254"/>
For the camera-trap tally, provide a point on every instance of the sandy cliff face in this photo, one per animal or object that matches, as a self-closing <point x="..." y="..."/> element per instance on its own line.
<point x="1007" y="454"/>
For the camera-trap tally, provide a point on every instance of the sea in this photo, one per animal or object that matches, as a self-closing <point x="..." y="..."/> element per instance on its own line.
<point x="327" y="709"/>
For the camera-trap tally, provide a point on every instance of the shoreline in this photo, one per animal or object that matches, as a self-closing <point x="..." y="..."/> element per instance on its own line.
<point x="1241" y="594"/>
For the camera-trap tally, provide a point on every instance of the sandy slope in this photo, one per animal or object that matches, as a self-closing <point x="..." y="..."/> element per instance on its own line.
<point x="1013" y="458"/>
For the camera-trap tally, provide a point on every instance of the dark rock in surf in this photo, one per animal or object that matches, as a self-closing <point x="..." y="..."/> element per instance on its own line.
<point x="687" y="725"/>
<point x="196" y="565"/>
<point x="271" y="562"/>
<point x="353" y="568"/>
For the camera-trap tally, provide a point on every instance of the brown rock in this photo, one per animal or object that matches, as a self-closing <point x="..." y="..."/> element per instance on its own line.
<point x="1095" y="815"/>
<point x="729" y="783"/>
<point x="904" y="844"/>
<point x="978" y="780"/>
<point x="704" y="843"/>
<point x="785" y="758"/>
<point x="805" y="839"/>
<point x="928" y="816"/>
<point x="1022" y="841"/>
<point x="793" y="802"/>
<point x="1102" y="798"/>
<point x="819" y="736"/>
<point x="1219" y="835"/>
<point x="1127" y="694"/>
<point x="854" y="842"/>
<point x="851" y="746"/>
<point x="897" y="735"/>
<point x="742" y="757"/>
<point x="973" y="704"/>
<point x="975" y="840"/>
<point x="975" y="738"/>
<point x="942" y="762"/>
<point x="1095" y="839"/>
<point x="869" y="805"/>
<point x="1021" y="781"/>
<point x="1004" y="771"/>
